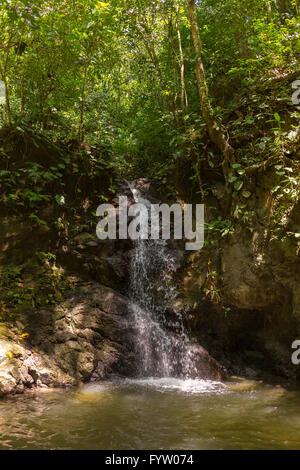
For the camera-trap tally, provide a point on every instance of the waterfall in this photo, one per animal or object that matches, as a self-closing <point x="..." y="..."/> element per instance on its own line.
<point x="162" y="345"/>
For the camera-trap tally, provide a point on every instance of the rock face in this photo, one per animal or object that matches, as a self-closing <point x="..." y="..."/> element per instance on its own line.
<point x="86" y="337"/>
<point x="243" y="294"/>
<point x="258" y="317"/>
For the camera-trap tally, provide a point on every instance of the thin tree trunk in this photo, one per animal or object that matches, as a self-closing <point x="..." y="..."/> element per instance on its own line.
<point x="269" y="6"/>
<point x="80" y="130"/>
<point x="181" y="58"/>
<point x="186" y="100"/>
<point x="7" y="99"/>
<point x="7" y="102"/>
<point x="3" y="73"/>
<point x="216" y="133"/>
<point x="85" y="78"/>
<point x="22" y="96"/>
<point x="173" y="54"/>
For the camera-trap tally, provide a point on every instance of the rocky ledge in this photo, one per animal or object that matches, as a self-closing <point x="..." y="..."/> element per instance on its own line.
<point x="86" y="337"/>
<point x="90" y="336"/>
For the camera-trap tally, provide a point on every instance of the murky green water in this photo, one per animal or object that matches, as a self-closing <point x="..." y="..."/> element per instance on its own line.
<point x="154" y="414"/>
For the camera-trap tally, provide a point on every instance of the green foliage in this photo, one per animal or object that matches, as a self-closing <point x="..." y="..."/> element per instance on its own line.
<point x="218" y="227"/>
<point x="9" y="275"/>
<point x="110" y="73"/>
<point x="109" y="70"/>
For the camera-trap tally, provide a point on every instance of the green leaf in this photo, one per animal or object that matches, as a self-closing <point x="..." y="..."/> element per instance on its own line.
<point x="246" y="194"/>
<point x="232" y="178"/>
<point x="238" y="185"/>
<point x="277" y="117"/>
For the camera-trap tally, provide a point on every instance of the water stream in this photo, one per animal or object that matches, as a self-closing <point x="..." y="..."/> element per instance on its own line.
<point x="165" y="407"/>
<point x="163" y="347"/>
<point x="154" y="414"/>
<point x="151" y="292"/>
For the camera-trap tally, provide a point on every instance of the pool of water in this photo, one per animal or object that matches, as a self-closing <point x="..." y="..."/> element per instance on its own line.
<point x="154" y="414"/>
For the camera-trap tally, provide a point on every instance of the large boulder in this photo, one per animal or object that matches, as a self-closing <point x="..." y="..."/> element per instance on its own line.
<point x="89" y="336"/>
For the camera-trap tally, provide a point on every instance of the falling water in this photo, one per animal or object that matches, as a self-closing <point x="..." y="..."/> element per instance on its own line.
<point x="162" y="345"/>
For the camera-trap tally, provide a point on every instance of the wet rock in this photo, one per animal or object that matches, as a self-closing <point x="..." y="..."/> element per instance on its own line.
<point x="22" y="369"/>
<point x="242" y="385"/>
<point x="88" y="336"/>
<point x="204" y="365"/>
<point x="7" y="384"/>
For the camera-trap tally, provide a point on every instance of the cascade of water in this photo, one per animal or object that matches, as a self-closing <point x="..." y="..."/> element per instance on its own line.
<point x="163" y="349"/>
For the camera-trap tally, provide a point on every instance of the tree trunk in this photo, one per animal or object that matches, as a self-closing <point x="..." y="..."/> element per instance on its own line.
<point x="216" y="133"/>
<point x="7" y="99"/>
<point x="181" y="58"/>
<point x="80" y="130"/>
<point x="7" y="102"/>
<point x="3" y="74"/>
<point x="269" y="7"/>
<point x="22" y="105"/>
<point x="173" y="55"/>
